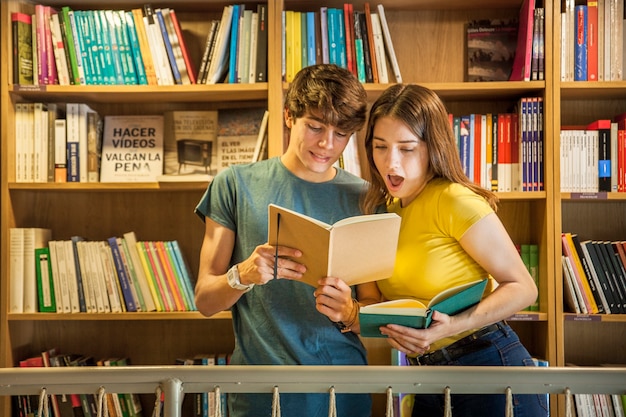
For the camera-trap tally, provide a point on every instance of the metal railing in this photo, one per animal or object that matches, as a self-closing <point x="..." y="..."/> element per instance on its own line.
<point x="174" y="381"/>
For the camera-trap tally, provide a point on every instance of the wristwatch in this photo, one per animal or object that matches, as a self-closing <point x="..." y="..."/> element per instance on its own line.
<point x="233" y="280"/>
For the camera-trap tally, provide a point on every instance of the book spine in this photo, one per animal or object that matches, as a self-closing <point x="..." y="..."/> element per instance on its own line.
<point x="183" y="48"/>
<point x="393" y="59"/>
<point x="129" y="301"/>
<point x="129" y="68"/>
<point x="580" y="46"/>
<point x="22" y="48"/>
<point x="169" y="49"/>
<point x="261" y="59"/>
<point x="144" y="46"/>
<point x="234" y="44"/>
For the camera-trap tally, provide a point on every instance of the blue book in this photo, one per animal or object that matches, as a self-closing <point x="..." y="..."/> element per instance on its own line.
<point x="142" y="78"/>
<point x="333" y="35"/>
<point x="123" y="41"/>
<point x="341" y="40"/>
<point x="234" y="43"/>
<point x="168" y="47"/>
<point x="72" y="162"/>
<point x="114" y="41"/>
<point x="82" y="303"/>
<point x="311" y="46"/>
<point x="464" y="145"/>
<point x="580" y="43"/>
<point x="129" y="300"/>
<point x="92" y="46"/>
<point x="102" y="28"/>
<point x="182" y="271"/>
<point x="535" y="145"/>
<point x="87" y="42"/>
<point x="413" y="313"/>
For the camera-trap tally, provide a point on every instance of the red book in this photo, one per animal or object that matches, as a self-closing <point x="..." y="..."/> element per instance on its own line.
<point x="592" y="41"/>
<point x="477" y="148"/>
<point x="524" y="51"/>
<point x="183" y="46"/>
<point x="348" y="17"/>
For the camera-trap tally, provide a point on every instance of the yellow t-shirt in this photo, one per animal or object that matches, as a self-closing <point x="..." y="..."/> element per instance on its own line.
<point x="430" y="258"/>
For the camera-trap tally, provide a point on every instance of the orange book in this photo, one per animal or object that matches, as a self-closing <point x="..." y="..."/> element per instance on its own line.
<point x="569" y="250"/>
<point x="170" y="276"/>
<point x="144" y="47"/>
<point x="166" y="295"/>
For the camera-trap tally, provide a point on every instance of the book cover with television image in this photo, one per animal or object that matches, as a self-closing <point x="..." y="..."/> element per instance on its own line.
<point x="189" y="145"/>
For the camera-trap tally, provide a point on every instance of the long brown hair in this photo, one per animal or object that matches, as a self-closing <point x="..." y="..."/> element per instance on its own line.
<point x="424" y="113"/>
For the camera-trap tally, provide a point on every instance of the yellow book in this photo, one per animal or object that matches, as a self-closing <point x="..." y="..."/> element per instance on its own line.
<point x="581" y="277"/>
<point x="357" y="249"/>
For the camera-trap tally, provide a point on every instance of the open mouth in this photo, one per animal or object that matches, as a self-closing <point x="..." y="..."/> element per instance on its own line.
<point x="395" y="180"/>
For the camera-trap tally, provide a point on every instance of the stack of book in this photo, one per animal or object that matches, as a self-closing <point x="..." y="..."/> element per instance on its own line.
<point x="357" y="40"/>
<point x="118" y="275"/>
<point x="592" y="40"/>
<point x="503" y="152"/>
<point x="594" y="275"/>
<point x="70" y="405"/>
<point x="142" y="46"/>
<point x="600" y="149"/>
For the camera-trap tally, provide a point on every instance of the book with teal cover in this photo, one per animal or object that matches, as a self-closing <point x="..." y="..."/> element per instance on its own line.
<point x="413" y="313"/>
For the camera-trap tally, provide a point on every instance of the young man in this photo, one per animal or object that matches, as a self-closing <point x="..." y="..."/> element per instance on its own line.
<point x="278" y="320"/>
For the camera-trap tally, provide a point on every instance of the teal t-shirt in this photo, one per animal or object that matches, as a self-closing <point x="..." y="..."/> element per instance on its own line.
<point x="277" y="323"/>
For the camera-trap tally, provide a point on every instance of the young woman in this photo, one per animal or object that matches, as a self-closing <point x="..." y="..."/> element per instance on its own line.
<point x="449" y="235"/>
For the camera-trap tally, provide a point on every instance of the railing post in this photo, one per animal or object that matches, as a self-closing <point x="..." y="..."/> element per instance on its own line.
<point x="173" y="390"/>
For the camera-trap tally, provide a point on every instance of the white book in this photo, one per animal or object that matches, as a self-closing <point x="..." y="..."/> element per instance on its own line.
<point x="16" y="271"/>
<point x="34" y="238"/>
<point x="40" y="143"/>
<point x="219" y="55"/>
<point x="379" y="48"/>
<point x="29" y="142"/>
<point x="89" y="285"/>
<point x="83" y="146"/>
<point x="176" y="46"/>
<point x="391" y="52"/>
<point x="618" y="408"/>
<point x="157" y="48"/>
<point x="57" y="251"/>
<point x="579" y="296"/>
<point x="257" y="156"/>
<point x="72" y="283"/>
<point x="20" y="129"/>
<point x="243" y="51"/>
<point x="58" y="48"/>
<point x="254" y="28"/>
<point x="112" y="285"/>
<point x="97" y="276"/>
<point x="60" y="156"/>
<point x="568" y="284"/>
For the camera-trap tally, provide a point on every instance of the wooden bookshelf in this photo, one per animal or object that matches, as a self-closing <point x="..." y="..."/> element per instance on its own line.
<point x="429" y="39"/>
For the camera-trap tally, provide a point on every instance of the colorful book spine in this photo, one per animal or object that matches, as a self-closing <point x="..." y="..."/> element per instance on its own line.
<point x="580" y="45"/>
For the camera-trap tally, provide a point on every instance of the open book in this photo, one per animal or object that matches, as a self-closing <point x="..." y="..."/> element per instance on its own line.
<point x="413" y="313"/>
<point x="356" y="249"/>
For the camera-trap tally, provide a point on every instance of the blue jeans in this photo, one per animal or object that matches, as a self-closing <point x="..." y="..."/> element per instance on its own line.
<point x="505" y="349"/>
